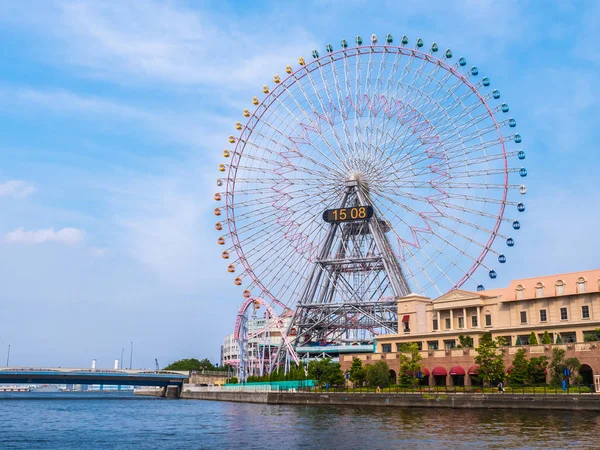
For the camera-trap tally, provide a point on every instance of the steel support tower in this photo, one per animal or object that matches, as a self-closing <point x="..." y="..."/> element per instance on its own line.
<point x="350" y="295"/>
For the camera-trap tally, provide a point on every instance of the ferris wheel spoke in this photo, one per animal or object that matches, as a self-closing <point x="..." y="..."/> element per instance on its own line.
<point x="456" y="233"/>
<point x="472" y="211"/>
<point x="310" y="121"/>
<point x="470" y="224"/>
<point x="407" y="246"/>
<point x="284" y="158"/>
<point x="315" y="113"/>
<point x="442" y="254"/>
<point x="332" y="102"/>
<point x="432" y="218"/>
<point x="329" y="117"/>
<point x="341" y="102"/>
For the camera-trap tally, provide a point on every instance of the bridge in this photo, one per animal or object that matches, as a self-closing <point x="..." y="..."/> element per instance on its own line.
<point x="124" y="377"/>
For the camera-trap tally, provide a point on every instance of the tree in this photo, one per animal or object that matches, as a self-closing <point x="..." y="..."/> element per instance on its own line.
<point x="518" y="341"/>
<point x="592" y="337"/>
<point x="557" y="365"/>
<point x="490" y="359"/>
<point x="520" y="371"/>
<point x="325" y="371"/>
<point x="533" y="339"/>
<point x="358" y="374"/>
<point x="232" y="380"/>
<point x="573" y="364"/>
<point x="378" y="374"/>
<point x="295" y="373"/>
<point x="558" y="339"/>
<point x="410" y="364"/>
<point x="546" y="339"/>
<point x="193" y="364"/>
<point x="465" y="341"/>
<point x="537" y="369"/>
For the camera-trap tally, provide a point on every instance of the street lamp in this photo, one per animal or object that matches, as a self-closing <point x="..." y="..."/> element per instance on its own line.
<point x="122" y="350"/>
<point x="131" y="356"/>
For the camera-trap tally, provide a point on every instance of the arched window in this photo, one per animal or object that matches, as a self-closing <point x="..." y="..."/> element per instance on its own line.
<point x="488" y="319"/>
<point x="560" y="287"/>
<point x="539" y="290"/>
<point x="581" y="285"/>
<point x="519" y="292"/>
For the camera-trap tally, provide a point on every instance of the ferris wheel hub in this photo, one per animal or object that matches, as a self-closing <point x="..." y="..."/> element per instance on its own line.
<point x="356" y="179"/>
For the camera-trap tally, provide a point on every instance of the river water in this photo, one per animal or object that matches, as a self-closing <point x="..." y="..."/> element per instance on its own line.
<point x="103" y="420"/>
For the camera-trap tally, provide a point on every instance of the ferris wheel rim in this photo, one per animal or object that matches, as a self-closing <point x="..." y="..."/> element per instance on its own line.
<point x="263" y="106"/>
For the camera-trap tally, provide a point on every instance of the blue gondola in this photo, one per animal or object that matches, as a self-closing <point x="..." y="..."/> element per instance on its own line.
<point x="516" y="225"/>
<point x="520" y="207"/>
<point x="501" y="259"/>
<point x="523" y="172"/>
<point x="510" y="242"/>
<point x="492" y="274"/>
<point x="480" y="288"/>
<point x="521" y="154"/>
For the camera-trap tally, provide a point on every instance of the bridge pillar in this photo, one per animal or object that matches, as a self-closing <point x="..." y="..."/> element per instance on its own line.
<point x="172" y="391"/>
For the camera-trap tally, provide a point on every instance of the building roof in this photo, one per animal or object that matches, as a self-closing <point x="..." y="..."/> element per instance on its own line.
<point x="549" y="282"/>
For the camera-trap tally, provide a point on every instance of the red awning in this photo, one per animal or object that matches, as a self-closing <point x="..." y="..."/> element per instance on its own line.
<point x="405" y="318"/>
<point x="457" y="370"/>
<point x="473" y="370"/>
<point x="439" y="371"/>
<point x="425" y="372"/>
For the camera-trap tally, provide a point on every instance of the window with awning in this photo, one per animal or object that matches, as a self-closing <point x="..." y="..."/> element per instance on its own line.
<point x="405" y="325"/>
<point x="473" y="370"/>
<point x="439" y="372"/>
<point x="457" y="370"/>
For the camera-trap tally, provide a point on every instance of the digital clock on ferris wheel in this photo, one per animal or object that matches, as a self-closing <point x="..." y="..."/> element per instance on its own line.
<point x="353" y="214"/>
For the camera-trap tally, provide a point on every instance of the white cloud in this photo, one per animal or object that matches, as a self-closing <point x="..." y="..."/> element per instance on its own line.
<point x="180" y="127"/>
<point x="65" y="235"/>
<point x="168" y="42"/>
<point x="162" y="226"/>
<point x="99" y="252"/>
<point x="16" y="189"/>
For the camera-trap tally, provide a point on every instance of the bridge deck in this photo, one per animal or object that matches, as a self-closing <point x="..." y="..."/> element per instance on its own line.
<point x="91" y="376"/>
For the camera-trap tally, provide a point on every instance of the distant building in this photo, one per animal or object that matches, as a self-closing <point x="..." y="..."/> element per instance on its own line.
<point x="230" y="351"/>
<point x="264" y="337"/>
<point x="567" y="306"/>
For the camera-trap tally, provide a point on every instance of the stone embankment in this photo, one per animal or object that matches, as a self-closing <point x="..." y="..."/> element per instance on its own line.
<point x="584" y="402"/>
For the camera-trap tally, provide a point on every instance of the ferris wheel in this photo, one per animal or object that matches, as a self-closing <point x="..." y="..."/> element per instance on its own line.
<point x="413" y="134"/>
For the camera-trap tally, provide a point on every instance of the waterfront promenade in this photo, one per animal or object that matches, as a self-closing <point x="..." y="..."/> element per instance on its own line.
<point x="551" y="400"/>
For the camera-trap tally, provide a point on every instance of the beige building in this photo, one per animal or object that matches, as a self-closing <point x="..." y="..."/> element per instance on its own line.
<point x="566" y="305"/>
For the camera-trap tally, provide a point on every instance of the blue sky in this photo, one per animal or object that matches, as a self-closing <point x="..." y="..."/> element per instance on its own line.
<point x="113" y="116"/>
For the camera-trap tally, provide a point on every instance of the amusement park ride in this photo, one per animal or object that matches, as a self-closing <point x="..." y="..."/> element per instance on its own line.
<point x="363" y="175"/>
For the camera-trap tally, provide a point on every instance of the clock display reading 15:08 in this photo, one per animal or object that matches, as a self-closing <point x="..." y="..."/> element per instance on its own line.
<point x="348" y="214"/>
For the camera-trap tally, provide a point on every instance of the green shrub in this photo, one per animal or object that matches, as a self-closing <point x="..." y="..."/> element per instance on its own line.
<point x="533" y="339"/>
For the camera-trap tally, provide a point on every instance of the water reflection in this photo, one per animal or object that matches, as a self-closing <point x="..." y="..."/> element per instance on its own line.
<point x="98" y="423"/>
